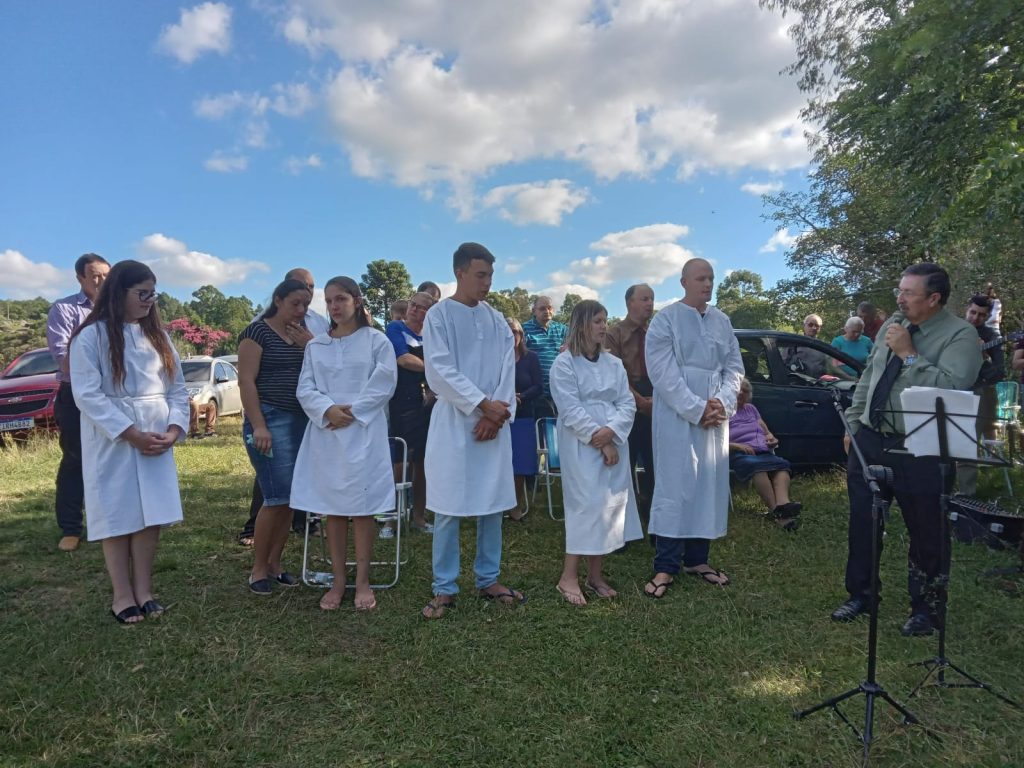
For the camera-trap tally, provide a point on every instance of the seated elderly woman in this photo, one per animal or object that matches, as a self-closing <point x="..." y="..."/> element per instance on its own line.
<point x="854" y="342"/>
<point x="751" y="457"/>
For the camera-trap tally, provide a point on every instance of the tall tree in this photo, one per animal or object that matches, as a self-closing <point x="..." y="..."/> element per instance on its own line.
<point x="384" y="283"/>
<point x="920" y="155"/>
<point x="568" y="304"/>
<point x="742" y="296"/>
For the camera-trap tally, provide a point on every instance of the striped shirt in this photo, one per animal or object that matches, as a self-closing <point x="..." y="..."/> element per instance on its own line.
<point x="280" y="365"/>
<point x="547" y="343"/>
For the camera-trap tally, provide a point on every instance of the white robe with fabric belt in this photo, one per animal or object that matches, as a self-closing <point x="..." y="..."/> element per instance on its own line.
<point x="346" y="471"/>
<point x="691" y="359"/>
<point x="124" y="490"/>
<point x="468" y="356"/>
<point x="600" y="510"/>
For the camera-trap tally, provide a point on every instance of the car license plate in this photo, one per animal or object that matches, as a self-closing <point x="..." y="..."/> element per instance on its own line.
<point x="12" y="424"/>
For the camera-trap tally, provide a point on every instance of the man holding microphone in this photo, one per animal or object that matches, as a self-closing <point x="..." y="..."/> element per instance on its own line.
<point x="921" y="345"/>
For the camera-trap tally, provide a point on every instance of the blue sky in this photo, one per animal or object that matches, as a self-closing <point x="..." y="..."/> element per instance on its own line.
<point x="589" y="145"/>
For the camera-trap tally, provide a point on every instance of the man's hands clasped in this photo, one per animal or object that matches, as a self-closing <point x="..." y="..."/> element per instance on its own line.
<point x="495" y="414"/>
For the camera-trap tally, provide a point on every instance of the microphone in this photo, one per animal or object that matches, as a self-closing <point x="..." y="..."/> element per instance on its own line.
<point x="898" y="317"/>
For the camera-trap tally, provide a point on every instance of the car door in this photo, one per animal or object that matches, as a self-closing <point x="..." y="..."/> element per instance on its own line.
<point x="227" y="388"/>
<point x="808" y="426"/>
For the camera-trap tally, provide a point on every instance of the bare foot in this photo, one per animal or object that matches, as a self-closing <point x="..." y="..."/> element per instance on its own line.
<point x="365" y="600"/>
<point x="658" y="585"/>
<point x="332" y="600"/>
<point x="571" y="593"/>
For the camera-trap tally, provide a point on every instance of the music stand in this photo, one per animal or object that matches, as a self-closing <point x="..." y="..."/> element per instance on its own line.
<point x="938" y="664"/>
<point x="874" y="475"/>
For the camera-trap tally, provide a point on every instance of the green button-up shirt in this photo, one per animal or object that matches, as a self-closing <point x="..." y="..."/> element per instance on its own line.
<point x="948" y="357"/>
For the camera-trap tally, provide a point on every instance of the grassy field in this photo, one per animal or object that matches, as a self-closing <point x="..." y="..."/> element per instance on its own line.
<point x="704" y="677"/>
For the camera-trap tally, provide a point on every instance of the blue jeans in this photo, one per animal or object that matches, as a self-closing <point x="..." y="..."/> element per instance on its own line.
<point x="446" y="552"/>
<point x="274" y="473"/>
<point x="668" y="552"/>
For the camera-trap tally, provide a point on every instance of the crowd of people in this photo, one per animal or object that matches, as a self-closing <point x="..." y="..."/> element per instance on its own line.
<point x="462" y="386"/>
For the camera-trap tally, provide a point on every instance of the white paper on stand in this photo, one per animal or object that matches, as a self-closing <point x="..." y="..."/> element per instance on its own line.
<point x="961" y="413"/>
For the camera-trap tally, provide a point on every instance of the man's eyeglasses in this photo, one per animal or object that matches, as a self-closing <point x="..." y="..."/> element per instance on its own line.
<point x="414" y="305"/>
<point x="146" y="295"/>
<point x="897" y="292"/>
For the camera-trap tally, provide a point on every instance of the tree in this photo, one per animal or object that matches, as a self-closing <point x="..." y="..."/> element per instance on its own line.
<point x="568" y="303"/>
<point x="200" y="338"/>
<point x="742" y="296"/>
<point x="503" y="303"/>
<point x="384" y="283"/>
<point x="920" y="150"/>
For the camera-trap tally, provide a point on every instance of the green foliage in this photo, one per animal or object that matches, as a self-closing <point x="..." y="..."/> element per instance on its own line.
<point x="920" y="150"/>
<point x="384" y="283"/>
<point x="568" y="303"/>
<point x="212" y="308"/>
<point x="517" y="302"/>
<point x="742" y="296"/>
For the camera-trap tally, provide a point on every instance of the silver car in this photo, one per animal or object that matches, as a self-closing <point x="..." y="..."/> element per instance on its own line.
<point x="212" y="380"/>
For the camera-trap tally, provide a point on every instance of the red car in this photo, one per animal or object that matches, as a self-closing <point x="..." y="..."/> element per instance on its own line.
<point x="28" y="387"/>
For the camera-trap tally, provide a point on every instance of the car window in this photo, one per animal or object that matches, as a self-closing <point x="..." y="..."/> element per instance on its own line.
<point x="33" y="364"/>
<point x="755" y="359"/>
<point x="196" y="371"/>
<point x="230" y="373"/>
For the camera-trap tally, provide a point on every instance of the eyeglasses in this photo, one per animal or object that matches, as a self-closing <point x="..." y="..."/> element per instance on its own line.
<point x="146" y="295"/>
<point x="897" y="292"/>
<point x="414" y="305"/>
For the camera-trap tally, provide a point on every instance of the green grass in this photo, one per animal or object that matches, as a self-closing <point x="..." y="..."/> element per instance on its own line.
<point x="704" y="677"/>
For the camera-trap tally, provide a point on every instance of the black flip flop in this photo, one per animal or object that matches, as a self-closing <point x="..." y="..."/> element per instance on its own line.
<point x="663" y="586"/>
<point x="131" y="612"/>
<point x="151" y="609"/>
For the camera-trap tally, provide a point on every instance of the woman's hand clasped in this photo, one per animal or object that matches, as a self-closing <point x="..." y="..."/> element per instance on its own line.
<point x="339" y="416"/>
<point x="602" y="437"/>
<point x="611" y="455"/>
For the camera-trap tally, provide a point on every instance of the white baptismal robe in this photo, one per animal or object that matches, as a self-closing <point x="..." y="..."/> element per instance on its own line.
<point x="691" y="358"/>
<point x="124" y="490"/>
<point x="346" y="471"/>
<point x="600" y="510"/>
<point x="468" y="357"/>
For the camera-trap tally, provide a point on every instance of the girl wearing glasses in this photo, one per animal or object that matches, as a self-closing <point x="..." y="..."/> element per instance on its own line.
<point x="127" y="382"/>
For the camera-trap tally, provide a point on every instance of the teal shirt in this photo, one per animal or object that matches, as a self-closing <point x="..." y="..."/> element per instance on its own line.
<point x="547" y="343"/>
<point x="948" y="357"/>
<point x="858" y="350"/>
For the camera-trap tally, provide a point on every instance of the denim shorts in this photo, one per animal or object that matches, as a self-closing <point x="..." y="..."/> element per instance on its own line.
<point x="274" y="473"/>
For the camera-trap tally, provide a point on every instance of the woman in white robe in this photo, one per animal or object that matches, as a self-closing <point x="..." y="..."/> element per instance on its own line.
<point x="595" y="415"/>
<point x="127" y="382"/>
<point x="343" y="469"/>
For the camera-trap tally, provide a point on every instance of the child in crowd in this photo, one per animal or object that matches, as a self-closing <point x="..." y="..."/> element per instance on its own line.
<point x="595" y="415"/>
<point x="128" y="384"/>
<point x="343" y="469"/>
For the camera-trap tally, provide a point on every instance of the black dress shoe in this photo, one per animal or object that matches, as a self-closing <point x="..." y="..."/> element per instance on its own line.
<point x="851" y="609"/>
<point x="918" y="625"/>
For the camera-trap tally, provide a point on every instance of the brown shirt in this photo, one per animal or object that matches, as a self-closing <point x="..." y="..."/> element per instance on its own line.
<point x="626" y="341"/>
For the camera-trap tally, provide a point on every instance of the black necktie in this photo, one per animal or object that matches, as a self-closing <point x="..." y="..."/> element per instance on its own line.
<point x="880" y="397"/>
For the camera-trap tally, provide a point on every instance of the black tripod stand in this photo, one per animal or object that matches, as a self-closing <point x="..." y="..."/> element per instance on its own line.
<point x="938" y="664"/>
<point x="874" y="476"/>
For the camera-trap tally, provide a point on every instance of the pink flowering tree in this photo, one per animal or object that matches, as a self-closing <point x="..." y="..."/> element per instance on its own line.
<point x="200" y="338"/>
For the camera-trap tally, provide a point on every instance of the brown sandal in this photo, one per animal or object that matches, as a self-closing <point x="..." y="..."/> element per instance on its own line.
<point x="437" y="607"/>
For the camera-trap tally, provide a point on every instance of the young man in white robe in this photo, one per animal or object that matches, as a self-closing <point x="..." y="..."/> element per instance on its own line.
<point x="694" y="363"/>
<point x="469" y="361"/>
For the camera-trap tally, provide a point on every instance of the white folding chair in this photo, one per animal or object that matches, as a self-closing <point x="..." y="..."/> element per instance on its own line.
<point x="390" y="569"/>
<point x="548" y="466"/>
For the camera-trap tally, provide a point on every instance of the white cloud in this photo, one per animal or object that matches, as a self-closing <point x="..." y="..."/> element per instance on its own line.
<point x="447" y="289"/>
<point x="539" y="202"/>
<point x="513" y="267"/>
<point x="762" y="187"/>
<point x="206" y="27"/>
<point x="662" y="303"/>
<point x="781" y="240"/>
<point x="291" y="100"/>
<point x="174" y="264"/>
<point x="222" y="162"/>
<point x="558" y="292"/>
<point x="641" y="87"/>
<point x="219" y="107"/>
<point x="647" y="254"/>
<point x="27" y="279"/>
<point x="296" y="165"/>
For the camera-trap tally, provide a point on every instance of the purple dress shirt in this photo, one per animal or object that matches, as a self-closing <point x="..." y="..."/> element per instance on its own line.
<point x="65" y="316"/>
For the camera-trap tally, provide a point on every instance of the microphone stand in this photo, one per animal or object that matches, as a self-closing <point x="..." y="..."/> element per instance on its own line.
<point x="874" y="475"/>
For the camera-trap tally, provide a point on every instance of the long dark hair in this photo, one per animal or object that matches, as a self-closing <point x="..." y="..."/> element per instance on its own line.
<point x="285" y="287"/>
<point x="110" y="311"/>
<point x="351" y="287"/>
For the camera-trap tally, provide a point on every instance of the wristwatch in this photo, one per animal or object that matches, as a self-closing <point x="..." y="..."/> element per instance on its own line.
<point x="909" y="360"/>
